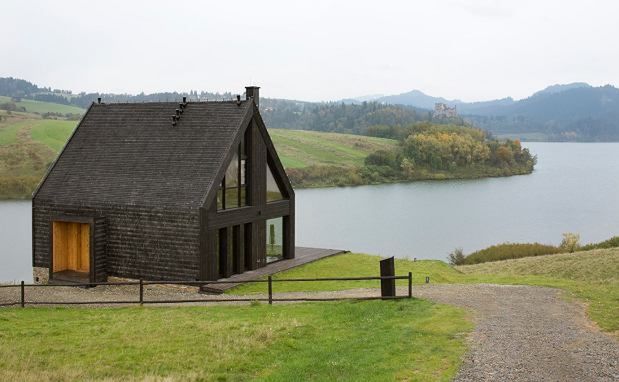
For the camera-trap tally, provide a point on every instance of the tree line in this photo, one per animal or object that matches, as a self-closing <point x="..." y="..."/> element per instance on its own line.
<point x="426" y="151"/>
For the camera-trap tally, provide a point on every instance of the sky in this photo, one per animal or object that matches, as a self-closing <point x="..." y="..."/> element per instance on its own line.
<point x="315" y="50"/>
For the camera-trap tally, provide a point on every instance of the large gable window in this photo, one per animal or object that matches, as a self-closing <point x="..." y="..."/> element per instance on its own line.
<point x="274" y="193"/>
<point x="232" y="192"/>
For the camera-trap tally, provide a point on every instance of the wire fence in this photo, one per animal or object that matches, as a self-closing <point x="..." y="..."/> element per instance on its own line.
<point x="23" y="301"/>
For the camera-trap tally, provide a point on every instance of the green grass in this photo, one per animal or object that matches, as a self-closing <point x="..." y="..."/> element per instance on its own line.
<point x="299" y="148"/>
<point x="8" y="133"/>
<point x="352" y="265"/>
<point x="52" y="133"/>
<point x="344" y="341"/>
<point x="591" y="276"/>
<point x="44" y="107"/>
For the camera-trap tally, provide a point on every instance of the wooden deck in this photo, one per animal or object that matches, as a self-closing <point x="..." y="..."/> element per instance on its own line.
<point x="303" y="255"/>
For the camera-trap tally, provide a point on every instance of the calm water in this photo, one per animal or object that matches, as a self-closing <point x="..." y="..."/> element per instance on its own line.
<point x="575" y="188"/>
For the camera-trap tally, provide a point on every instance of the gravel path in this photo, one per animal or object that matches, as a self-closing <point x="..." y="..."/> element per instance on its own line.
<point x="528" y="334"/>
<point x="522" y="333"/>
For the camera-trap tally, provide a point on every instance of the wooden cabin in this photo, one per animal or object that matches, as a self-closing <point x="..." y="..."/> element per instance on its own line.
<point x="163" y="191"/>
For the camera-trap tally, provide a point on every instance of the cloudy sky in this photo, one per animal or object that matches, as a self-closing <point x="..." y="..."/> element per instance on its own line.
<point x="312" y="50"/>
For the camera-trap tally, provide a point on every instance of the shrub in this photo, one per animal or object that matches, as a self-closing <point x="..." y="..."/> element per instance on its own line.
<point x="456" y="257"/>
<point x="610" y="243"/>
<point x="508" y="251"/>
<point x="570" y="242"/>
<point x="382" y="158"/>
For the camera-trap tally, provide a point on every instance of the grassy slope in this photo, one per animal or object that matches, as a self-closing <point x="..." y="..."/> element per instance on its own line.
<point x="52" y="133"/>
<point x="347" y="341"/>
<point x="592" y="276"/>
<point x="299" y="148"/>
<point x="28" y="144"/>
<point x="44" y="107"/>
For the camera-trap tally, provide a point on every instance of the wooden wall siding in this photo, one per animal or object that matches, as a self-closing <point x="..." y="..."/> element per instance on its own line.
<point x="99" y="240"/>
<point x="288" y="242"/>
<point x="144" y="243"/>
<point x="71" y="246"/>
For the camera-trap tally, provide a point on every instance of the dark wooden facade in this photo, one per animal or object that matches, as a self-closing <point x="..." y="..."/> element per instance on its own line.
<point x="153" y="188"/>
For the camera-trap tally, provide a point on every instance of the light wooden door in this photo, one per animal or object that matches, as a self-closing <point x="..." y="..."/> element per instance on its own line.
<point x="71" y="246"/>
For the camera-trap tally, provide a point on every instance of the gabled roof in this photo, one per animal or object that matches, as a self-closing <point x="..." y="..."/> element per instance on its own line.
<point x="130" y="154"/>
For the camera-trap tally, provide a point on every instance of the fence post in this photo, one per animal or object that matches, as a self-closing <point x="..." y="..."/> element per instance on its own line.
<point x="23" y="295"/>
<point x="410" y="284"/>
<point x="141" y="292"/>
<point x="387" y="269"/>
<point x="270" y="290"/>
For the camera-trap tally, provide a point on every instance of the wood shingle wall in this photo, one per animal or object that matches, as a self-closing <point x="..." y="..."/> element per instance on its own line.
<point x="139" y="242"/>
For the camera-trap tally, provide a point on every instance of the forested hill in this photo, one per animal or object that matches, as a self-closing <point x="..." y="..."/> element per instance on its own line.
<point x="582" y="113"/>
<point x="278" y="113"/>
<point x="338" y="117"/>
<point x="565" y="112"/>
<point x="17" y="88"/>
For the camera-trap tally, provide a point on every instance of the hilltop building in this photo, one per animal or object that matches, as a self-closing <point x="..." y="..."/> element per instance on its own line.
<point x="163" y="191"/>
<point x="441" y="110"/>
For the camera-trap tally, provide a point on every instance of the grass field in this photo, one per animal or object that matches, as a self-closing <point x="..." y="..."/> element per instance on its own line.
<point x="344" y="341"/>
<point x="52" y="133"/>
<point x="591" y="276"/>
<point x="299" y="148"/>
<point x="44" y="107"/>
<point x="28" y="144"/>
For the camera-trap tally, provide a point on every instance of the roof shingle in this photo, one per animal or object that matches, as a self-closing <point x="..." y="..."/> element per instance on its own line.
<point x="130" y="154"/>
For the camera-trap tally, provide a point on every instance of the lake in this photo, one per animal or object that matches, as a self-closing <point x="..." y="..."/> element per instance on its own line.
<point x="574" y="188"/>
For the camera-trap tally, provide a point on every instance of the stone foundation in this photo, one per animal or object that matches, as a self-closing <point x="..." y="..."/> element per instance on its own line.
<point x="40" y="275"/>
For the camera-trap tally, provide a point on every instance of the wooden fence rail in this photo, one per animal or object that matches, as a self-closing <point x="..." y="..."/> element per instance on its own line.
<point x="141" y="283"/>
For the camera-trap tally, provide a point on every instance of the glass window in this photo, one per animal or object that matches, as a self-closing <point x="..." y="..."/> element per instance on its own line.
<point x="220" y="198"/>
<point x="243" y="170"/>
<point x="233" y="191"/>
<point x="232" y="183"/>
<point x="275" y="239"/>
<point x="273" y="191"/>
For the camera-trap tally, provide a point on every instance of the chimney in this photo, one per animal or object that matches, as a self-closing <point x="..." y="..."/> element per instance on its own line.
<point x="99" y="100"/>
<point x="253" y="92"/>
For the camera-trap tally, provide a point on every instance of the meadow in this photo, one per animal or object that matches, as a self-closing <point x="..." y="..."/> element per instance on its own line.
<point x="590" y="276"/>
<point x="345" y="341"/>
<point x="301" y="148"/>
<point x="38" y="107"/>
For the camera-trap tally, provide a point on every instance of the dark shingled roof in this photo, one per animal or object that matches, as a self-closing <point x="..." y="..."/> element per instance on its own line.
<point x="130" y="154"/>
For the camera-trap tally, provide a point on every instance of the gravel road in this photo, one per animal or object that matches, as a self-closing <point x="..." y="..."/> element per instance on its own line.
<point x="528" y="333"/>
<point x="522" y="333"/>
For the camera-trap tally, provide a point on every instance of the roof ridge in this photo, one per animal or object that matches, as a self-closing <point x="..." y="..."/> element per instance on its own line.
<point x="171" y="102"/>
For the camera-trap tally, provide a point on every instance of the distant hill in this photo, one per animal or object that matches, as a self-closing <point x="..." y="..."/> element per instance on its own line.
<point x="352" y="117"/>
<point x="562" y="112"/>
<point x="558" y="88"/>
<point x="416" y="98"/>
<point x="575" y="113"/>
